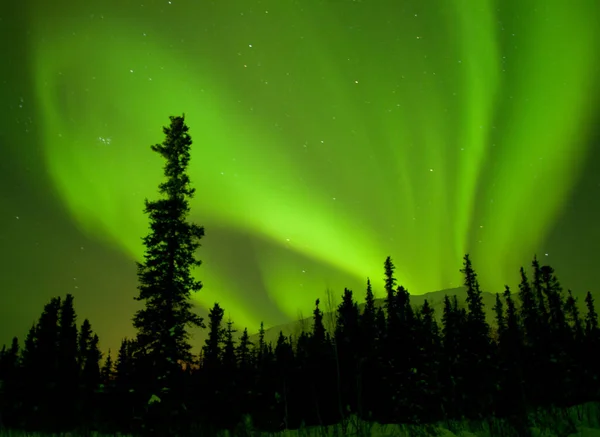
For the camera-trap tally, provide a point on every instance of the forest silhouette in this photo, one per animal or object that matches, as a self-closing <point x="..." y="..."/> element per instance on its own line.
<point x="396" y="363"/>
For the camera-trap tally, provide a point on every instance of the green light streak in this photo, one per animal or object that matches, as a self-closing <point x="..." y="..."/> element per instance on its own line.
<point x="329" y="148"/>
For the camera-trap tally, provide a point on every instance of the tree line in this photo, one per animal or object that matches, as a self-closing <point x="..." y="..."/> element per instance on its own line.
<point x="392" y="364"/>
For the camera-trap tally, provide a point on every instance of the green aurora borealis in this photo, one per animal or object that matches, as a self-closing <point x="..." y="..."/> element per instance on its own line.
<point x="327" y="135"/>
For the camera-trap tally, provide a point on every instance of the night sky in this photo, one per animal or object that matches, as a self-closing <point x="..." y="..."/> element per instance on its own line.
<point x="327" y="135"/>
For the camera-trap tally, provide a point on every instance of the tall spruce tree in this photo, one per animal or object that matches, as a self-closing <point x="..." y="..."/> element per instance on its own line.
<point x="318" y="333"/>
<point x="85" y="337"/>
<point x="124" y="366"/>
<point x="212" y="348"/>
<point x="390" y="290"/>
<point x="369" y="346"/>
<point x="243" y="352"/>
<point x="476" y="314"/>
<point x="260" y="347"/>
<point x="510" y="396"/>
<point x="165" y="277"/>
<point x="426" y="361"/>
<point x="529" y="311"/>
<point x="91" y="376"/>
<point x="43" y="383"/>
<point x="10" y="378"/>
<point x="368" y="328"/>
<point x="245" y="374"/>
<point x="9" y="361"/>
<point x="513" y="329"/>
<point x="553" y="292"/>
<point x="29" y="353"/>
<point x="68" y="376"/>
<point x="478" y="357"/>
<point x="347" y="347"/>
<point x="346" y="328"/>
<point x="107" y="372"/>
<point x="229" y="356"/>
<point x="47" y="335"/>
<point x="574" y="318"/>
<point x="539" y="292"/>
<point x="591" y="316"/>
<point x="576" y="383"/>
<point x="592" y="343"/>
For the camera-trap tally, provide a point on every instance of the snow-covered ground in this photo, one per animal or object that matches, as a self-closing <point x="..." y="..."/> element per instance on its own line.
<point x="578" y="421"/>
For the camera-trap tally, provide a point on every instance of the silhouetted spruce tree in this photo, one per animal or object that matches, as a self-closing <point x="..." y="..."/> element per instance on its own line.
<point x="575" y="380"/>
<point x="165" y="276"/>
<point x="591" y="317"/>
<point x="392" y="352"/>
<point x="9" y="360"/>
<point x="104" y="399"/>
<point x="29" y="353"/>
<point x="246" y="370"/>
<point x="557" y="340"/>
<point x="347" y="323"/>
<point x="509" y="400"/>
<point x="47" y="365"/>
<point x="538" y="291"/>
<point x="478" y="348"/>
<point x="553" y="293"/>
<point x="390" y="290"/>
<point x="318" y="333"/>
<point x="28" y="399"/>
<point x="500" y="320"/>
<point x="268" y="397"/>
<point x="229" y="358"/>
<point x="402" y="353"/>
<point x="47" y="338"/>
<point x="513" y="329"/>
<point x="3" y="354"/>
<point x="68" y="376"/>
<point x="368" y="327"/>
<point x="260" y="347"/>
<point x="9" y="384"/>
<point x="304" y="397"/>
<point x="476" y="312"/>
<point x="347" y="344"/>
<point x="243" y="352"/>
<point x="533" y="327"/>
<point x="322" y="371"/>
<point x="83" y="343"/>
<point x="452" y="369"/>
<point x="90" y="381"/>
<point x="367" y="347"/>
<point x="592" y="343"/>
<point x="574" y="317"/>
<point x="212" y="371"/>
<point x="427" y="362"/>
<point x="376" y="409"/>
<point x="108" y="371"/>
<point x="284" y="359"/>
<point x="212" y="350"/>
<point x="381" y="325"/>
<point x="124" y="366"/>
<point x="126" y="399"/>
<point x="529" y="312"/>
<point x="541" y="368"/>
<point x="230" y="381"/>
<point x="91" y="376"/>
<point x="513" y="345"/>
